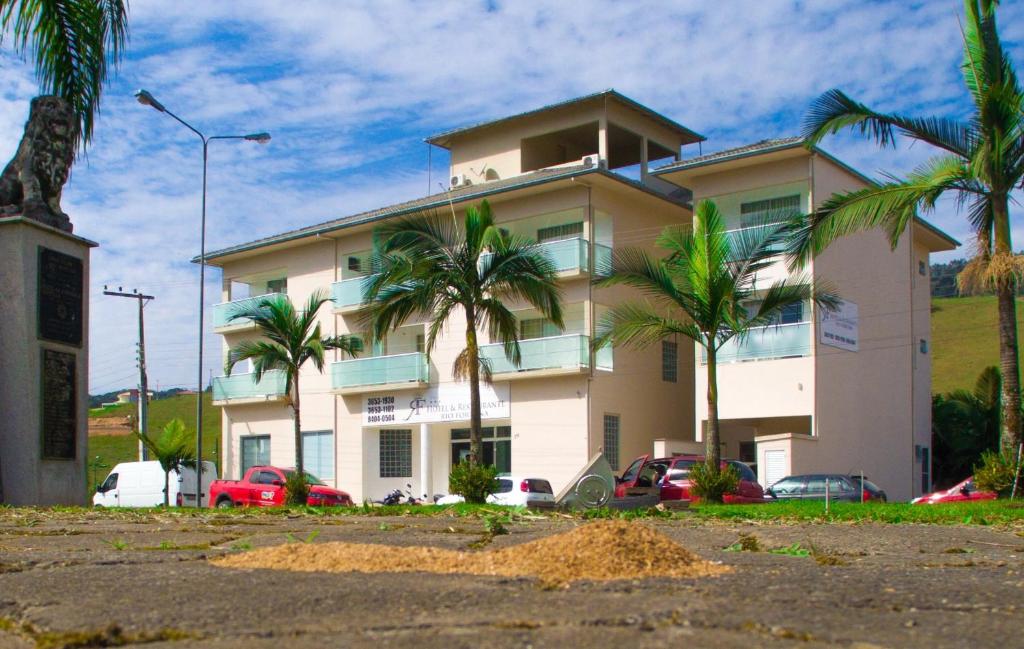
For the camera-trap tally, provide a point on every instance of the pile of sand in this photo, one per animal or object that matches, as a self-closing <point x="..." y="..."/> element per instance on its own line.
<point x="602" y="550"/>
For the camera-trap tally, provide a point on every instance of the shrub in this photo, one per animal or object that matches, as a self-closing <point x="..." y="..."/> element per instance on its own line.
<point x="473" y="482"/>
<point x="296" y="489"/>
<point x="711" y="483"/>
<point x="995" y="472"/>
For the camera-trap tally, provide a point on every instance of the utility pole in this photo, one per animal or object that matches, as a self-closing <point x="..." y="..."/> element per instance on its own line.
<point x="143" y="381"/>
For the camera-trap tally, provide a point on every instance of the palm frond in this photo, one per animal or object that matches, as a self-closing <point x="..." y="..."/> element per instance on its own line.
<point x="635" y="324"/>
<point x="834" y="111"/>
<point x="73" y="42"/>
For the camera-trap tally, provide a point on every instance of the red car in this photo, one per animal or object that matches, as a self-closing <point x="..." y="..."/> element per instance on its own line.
<point x="263" y="486"/>
<point x="963" y="492"/>
<point x="671" y="475"/>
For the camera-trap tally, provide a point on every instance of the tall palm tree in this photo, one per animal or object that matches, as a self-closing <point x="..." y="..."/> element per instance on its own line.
<point x="433" y="269"/>
<point x="174" y="448"/>
<point x="981" y="162"/>
<point x="965" y="423"/>
<point x="73" y="42"/>
<point x="290" y="338"/>
<point x="704" y="290"/>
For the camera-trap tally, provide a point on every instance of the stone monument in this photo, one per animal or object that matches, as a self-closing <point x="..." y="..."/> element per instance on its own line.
<point x="44" y="299"/>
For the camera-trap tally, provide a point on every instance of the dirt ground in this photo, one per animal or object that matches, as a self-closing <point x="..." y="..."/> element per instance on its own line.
<point x="68" y="578"/>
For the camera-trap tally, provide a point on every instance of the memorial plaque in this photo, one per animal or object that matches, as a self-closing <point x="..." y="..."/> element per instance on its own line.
<point x="59" y="405"/>
<point x="60" y="297"/>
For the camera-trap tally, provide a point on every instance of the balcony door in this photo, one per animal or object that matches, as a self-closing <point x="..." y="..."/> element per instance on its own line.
<point x="497" y="447"/>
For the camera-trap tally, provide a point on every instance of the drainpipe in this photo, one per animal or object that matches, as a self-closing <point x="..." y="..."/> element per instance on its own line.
<point x="814" y="309"/>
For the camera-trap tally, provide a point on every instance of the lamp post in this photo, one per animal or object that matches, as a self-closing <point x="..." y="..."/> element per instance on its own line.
<point x="146" y="99"/>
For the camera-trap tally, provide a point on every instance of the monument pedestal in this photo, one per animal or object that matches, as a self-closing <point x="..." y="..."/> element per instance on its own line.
<point x="44" y="363"/>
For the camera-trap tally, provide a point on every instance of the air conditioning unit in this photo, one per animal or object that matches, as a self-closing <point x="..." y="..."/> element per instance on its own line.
<point x="461" y="180"/>
<point x="592" y="160"/>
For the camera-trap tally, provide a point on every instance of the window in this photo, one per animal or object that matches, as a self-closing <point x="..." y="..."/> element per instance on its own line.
<point x="926" y="470"/>
<point x="816" y="485"/>
<point x="669" y="361"/>
<point x="266" y="477"/>
<point x="355" y="264"/>
<point x="255" y="451"/>
<point x="771" y="209"/>
<point x="922" y="268"/>
<point x="318" y="453"/>
<point x="748" y="452"/>
<point x="497" y="447"/>
<point x="743" y="471"/>
<point x="611" y="441"/>
<point x="396" y="453"/>
<point x="838" y="486"/>
<point x="792" y="313"/>
<point x="537" y="328"/>
<point x="560" y="232"/>
<point x="421" y="343"/>
<point x="109" y="483"/>
<point x="790" y="487"/>
<point x="277" y="286"/>
<point x="504" y="486"/>
<point x="923" y="344"/>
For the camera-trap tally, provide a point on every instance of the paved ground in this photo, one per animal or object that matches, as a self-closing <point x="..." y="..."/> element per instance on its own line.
<point x="69" y="577"/>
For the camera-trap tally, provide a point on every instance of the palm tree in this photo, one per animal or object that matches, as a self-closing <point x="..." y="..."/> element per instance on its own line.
<point x="965" y="424"/>
<point x="290" y="338"/>
<point x="704" y="290"/>
<point x="981" y="162"/>
<point x="431" y="268"/>
<point x="174" y="448"/>
<point x="73" y="42"/>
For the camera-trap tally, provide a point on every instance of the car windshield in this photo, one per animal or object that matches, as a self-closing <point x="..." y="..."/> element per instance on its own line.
<point x="310" y="478"/>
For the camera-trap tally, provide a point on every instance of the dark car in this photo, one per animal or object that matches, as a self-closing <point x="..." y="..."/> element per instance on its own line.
<point x="813" y="487"/>
<point x="870" y="489"/>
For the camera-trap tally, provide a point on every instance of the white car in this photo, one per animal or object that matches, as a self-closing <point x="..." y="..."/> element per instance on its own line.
<point x="141" y="484"/>
<point x="514" y="491"/>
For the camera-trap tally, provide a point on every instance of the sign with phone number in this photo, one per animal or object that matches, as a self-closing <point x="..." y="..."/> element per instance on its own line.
<point x="441" y="403"/>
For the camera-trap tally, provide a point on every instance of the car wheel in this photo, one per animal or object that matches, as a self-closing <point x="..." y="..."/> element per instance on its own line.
<point x="225" y="503"/>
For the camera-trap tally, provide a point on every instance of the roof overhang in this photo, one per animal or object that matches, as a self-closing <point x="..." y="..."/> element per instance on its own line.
<point x="444" y="139"/>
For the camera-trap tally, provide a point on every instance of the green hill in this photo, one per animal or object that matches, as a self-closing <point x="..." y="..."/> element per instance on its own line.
<point x="108" y="450"/>
<point x="965" y="339"/>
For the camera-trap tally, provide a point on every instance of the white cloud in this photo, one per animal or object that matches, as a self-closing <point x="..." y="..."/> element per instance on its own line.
<point x="349" y="90"/>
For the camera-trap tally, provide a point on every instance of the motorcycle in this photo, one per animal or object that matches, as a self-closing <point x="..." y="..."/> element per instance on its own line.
<point x="400" y="497"/>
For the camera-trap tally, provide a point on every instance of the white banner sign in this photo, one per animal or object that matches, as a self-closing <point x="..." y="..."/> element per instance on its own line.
<point x="445" y="402"/>
<point x="839" y="328"/>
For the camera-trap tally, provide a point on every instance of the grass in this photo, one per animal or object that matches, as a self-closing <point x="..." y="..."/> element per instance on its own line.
<point x="965" y="339"/>
<point x="112" y="449"/>
<point x="999" y="512"/>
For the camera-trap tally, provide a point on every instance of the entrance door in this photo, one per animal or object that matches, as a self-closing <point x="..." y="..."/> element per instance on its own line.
<point x="497" y="447"/>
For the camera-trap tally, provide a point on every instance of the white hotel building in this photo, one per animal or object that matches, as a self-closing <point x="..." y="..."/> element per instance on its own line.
<point x="790" y="403"/>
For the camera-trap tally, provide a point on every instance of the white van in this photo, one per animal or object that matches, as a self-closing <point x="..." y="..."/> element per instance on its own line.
<point x="141" y="484"/>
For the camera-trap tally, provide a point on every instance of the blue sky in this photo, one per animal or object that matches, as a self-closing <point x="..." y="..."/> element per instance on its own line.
<point x="349" y="90"/>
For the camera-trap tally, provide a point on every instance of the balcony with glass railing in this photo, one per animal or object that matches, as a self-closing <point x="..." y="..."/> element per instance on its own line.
<point x="566" y="354"/>
<point x="373" y="373"/>
<point x="767" y="343"/>
<point x="243" y="388"/>
<point x="572" y="256"/>
<point x="223" y="313"/>
<point x="347" y="294"/>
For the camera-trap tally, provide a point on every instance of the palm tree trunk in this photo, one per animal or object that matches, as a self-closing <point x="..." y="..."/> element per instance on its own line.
<point x="298" y="427"/>
<point x="473" y="353"/>
<point x="713" y="453"/>
<point x="167" y="488"/>
<point x="1009" y="366"/>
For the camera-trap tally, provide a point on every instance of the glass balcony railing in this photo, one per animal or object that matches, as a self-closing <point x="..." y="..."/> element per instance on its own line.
<point x="380" y="370"/>
<point x="764" y="343"/>
<point x="242" y="386"/>
<point x="223" y="312"/>
<point x="571" y="351"/>
<point x="348" y="292"/>
<point x="571" y="255"/>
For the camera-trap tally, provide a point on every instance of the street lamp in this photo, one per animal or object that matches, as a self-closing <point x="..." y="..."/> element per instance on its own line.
<point x="146" y="99"/>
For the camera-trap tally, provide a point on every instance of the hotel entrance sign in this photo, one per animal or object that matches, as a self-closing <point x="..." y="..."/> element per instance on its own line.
<point x="440" y="403"/>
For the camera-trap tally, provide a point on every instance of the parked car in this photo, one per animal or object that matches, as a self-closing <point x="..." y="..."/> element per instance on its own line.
<point x="962" y="492"/>
<point x="263" y="486"/>
<point x="141" y="484"/>
<point x="870" y="489"/>
<point x="670" y="476"/>
<point x="514" y="491"/>
<point x="812" y="487"/>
